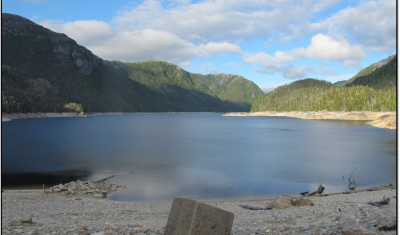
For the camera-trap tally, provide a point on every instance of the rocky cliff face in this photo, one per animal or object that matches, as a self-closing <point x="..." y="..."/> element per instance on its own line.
<point x="71" y="55"/>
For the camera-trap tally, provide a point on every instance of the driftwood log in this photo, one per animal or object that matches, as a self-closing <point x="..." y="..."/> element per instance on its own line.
<point x="388" y="228"/>
<point x="304" y="193"/>
<point x="384" y="201"/>
<point x="352" y="182"/>
<point x="255" y="207"/>
<point x="319" y="190"/>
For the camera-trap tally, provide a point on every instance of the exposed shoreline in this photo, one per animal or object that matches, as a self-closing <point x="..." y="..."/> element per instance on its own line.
<point x="57" y="214"/>
<point x="9" y="116"/>
<point x="386" y="120"/>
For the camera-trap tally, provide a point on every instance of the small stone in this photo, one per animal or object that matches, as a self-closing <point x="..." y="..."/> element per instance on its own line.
<point x="14" y="223"/>
<point x="303" y="202"/>
<point x="73" y="187"/>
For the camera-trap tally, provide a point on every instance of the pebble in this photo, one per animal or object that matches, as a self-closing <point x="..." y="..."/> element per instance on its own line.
<point x="61" y="213"/>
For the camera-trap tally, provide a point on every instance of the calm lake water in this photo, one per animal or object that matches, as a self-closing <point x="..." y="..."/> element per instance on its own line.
<point x="204" y="156"/>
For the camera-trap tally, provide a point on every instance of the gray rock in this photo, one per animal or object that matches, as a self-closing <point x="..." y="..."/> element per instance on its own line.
<point x="303" y="202"/>
<point x="282" y="202"/>
<point x="193" y="217"/>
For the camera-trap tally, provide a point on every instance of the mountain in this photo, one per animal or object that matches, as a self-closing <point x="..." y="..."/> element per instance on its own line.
<point x="382" y="74"/>
<point x="372" y="68"/>
<point x="316" y="95"/>
<point x="340" y="83"/>
<point x="45" y="71"/>
<point x="373" y="89"/>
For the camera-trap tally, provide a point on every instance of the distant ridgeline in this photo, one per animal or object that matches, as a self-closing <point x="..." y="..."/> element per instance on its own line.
<point x="372" y="89"/>
<point x="45" y="71"/>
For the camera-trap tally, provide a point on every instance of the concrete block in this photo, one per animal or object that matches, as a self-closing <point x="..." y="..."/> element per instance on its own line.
<point x="191" y="217"/>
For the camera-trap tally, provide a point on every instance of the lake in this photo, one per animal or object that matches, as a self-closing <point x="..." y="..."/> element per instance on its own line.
<point x="204" y="156"/>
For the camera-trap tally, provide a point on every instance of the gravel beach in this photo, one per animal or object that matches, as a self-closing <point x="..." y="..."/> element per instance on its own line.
<point x="69" y="214"/>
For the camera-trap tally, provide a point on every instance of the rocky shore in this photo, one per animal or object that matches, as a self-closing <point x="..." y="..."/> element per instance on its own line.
<point x="386" y="120"/>
<point x="38" y="212"/>
<point x="10" y="116"/>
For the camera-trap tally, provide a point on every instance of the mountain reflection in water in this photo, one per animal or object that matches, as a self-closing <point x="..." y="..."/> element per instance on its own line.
<point x="157" y="157"/>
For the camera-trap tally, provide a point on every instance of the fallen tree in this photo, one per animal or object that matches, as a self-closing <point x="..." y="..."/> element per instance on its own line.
<point x="319" y="190"/>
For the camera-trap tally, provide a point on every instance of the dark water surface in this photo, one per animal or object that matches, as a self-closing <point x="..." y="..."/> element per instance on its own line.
<point x="197" y="155"/>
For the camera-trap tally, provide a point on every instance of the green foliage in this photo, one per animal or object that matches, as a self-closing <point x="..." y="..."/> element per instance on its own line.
<point x="382" y="77"/>
<point x="372" y="89"/>
<point x="74" y="107"/>
<point x="179" y="86"/>
<point x="315" y="95"/>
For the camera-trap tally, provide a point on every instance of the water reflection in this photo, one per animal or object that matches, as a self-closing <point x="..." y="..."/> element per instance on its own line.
<point x="35" y="180"/>
<point x="157" y="157"/>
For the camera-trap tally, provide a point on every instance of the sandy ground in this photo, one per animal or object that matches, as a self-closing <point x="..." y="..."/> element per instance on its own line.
<point x="386" y="120"/>
<point x="62" y="214"/>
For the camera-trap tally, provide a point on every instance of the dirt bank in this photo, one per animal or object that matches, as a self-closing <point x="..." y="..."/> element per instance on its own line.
<point x="10" y="116"/>
<point x="386" y="120"/>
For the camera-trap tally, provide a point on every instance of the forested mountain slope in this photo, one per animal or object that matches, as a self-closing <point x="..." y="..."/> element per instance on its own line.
<point x="383" y="76"/>
<point x="45" y="71"/>
<point x="372" y="68"/>
<point x="374" y="88"/>
<point x="315" y="95"/>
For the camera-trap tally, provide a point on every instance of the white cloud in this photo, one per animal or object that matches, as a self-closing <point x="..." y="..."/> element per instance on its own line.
<point x="186" y="64"/>
<point x="263" y="58"/>
<point x="178" y="31"/>
<point x="326" y="70"/>
<point x="269" y="69"/>
<point x="87" y="33"/>
<point x="371" y="24"/>
<point x="146" y="45"/>
<point x="352" y="64"/>
<point x="139" y="45"/>
<point x="216" y="20"/>
<point x="326" y="47"/>
<point x="217" y="48"/>
<point x="294" y="72"/>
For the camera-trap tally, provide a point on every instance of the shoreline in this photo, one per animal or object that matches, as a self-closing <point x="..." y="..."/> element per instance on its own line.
<point x="10" y="116"/>
<point x="57" y="214"/>
<point x="387" y="120"/>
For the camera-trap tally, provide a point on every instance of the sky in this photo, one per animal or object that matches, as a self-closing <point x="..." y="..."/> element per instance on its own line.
<point x="270" y="42"/>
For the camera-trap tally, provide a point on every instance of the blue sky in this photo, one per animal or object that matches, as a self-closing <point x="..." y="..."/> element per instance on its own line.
<point x="270" y="42"/>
